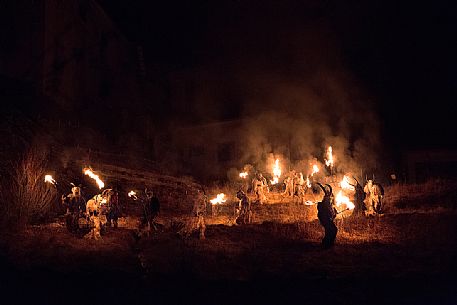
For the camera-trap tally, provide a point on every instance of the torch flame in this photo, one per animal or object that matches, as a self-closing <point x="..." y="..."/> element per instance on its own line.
<point x="132" y="194"/>
<point x="315" y="169"/>
<point x="343" y="200"/>
<point x="243" y="175"/>
<point x="329" y="159"/>
<point x="97" y="179"/>
<point x="220" y="198"/>
<point x="49" y="179"/>
<point x="308" y="182"/>
<point x="345" y="185"/>
<point x="276" y="172"/>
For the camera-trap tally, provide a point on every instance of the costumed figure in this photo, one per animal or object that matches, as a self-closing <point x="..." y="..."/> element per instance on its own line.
<point x="244" y="207"/>
<point x="326" y="214"/>
<point x="76" y="205"/>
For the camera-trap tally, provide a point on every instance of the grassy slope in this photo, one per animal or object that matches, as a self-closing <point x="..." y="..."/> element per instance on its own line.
<point x="406" y="256"/>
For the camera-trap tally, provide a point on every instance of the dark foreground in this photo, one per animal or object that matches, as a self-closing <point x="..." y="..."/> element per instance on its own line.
<point x="402" y="259"/>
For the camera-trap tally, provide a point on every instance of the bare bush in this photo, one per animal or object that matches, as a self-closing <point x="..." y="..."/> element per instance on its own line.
<point x="26" y="198"/>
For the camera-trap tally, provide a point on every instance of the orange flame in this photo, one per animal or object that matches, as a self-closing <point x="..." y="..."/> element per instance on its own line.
<point x="341" y="200"/>
<point x="329" y="159"/>
<point x="132" y="194"/>
<point x="220" y="198"/>
<point x="315" y="169"/>
<point x="345" y="184"/>
<point x="97" y="179"/>
<point x="308" y="182"/>
<point x="276" y="172"/>
<point x="244" y="175"/>
<point x="49" y="179"/>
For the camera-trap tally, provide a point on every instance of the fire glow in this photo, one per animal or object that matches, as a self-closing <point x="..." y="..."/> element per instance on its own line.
<point x="244" y="175"/>
<point x="315" y="169"/>
<point x="276" y="172"/>
<point x="97" y="179"/>
<point x="220" y="198"/>
<point x="345" y="185"/>
<point x="329" y="158"/>
<point x="132" y="194"/>
<point x="341" y="200"/>
<point x="49" y="179"/>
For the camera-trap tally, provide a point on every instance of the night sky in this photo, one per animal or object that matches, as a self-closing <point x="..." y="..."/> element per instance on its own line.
<point x="401" y="55"/>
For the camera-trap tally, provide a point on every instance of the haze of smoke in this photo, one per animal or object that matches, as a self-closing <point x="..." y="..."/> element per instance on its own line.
<point x="308" y="117"/>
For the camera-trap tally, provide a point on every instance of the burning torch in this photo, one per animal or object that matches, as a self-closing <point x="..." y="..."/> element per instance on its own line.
<point x="220" y="198"/>
<point x="49" y="179"/>
<point x="276" y="172"/>
<point x="90" y="173"/>
<point x="132" y="194"/>
<point x="329" y="159"/>
<point x="342" y="199"/>
<point x="243" y="175"/>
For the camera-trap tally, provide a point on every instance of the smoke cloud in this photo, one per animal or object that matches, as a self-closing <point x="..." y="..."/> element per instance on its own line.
<point x="302" y="101"/>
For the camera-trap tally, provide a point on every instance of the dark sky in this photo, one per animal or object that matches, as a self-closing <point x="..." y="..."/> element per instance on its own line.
<point x="401" y="54"/>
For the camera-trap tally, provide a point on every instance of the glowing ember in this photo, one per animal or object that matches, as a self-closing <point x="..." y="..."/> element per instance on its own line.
<point x="244" y="175"/>
<point x="220" y="198"/>
<point x="97" y="179"/>
<point x="343" y="201"/>
<point x="49" y="179"/>
<point x="132" y="194"/>
<point x="276" y="172"/>
<point x="329" y="158"/>
<point x="345" y="185"/>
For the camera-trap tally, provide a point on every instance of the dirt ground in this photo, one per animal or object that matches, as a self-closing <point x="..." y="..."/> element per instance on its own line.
<point x="398" y="258"/>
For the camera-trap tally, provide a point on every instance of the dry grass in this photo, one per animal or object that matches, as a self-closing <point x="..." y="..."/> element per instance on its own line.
<point x="284" y="237"/>
<point x="411" y="241"/>
<point x="433" y="195"/>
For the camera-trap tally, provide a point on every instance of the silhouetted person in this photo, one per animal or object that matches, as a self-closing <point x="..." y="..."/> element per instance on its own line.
<point x="114" y="208"/>
<point x="199" y="212"/>
<point x="359" y="198"/>
<point x="244" y="207"/>
<point x="326" y="214"/>
<point x="154" y="204"/>
<point x="151" y="209"/>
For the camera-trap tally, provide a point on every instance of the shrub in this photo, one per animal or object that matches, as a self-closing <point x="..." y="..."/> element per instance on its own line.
<point x="25" y="197"/>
